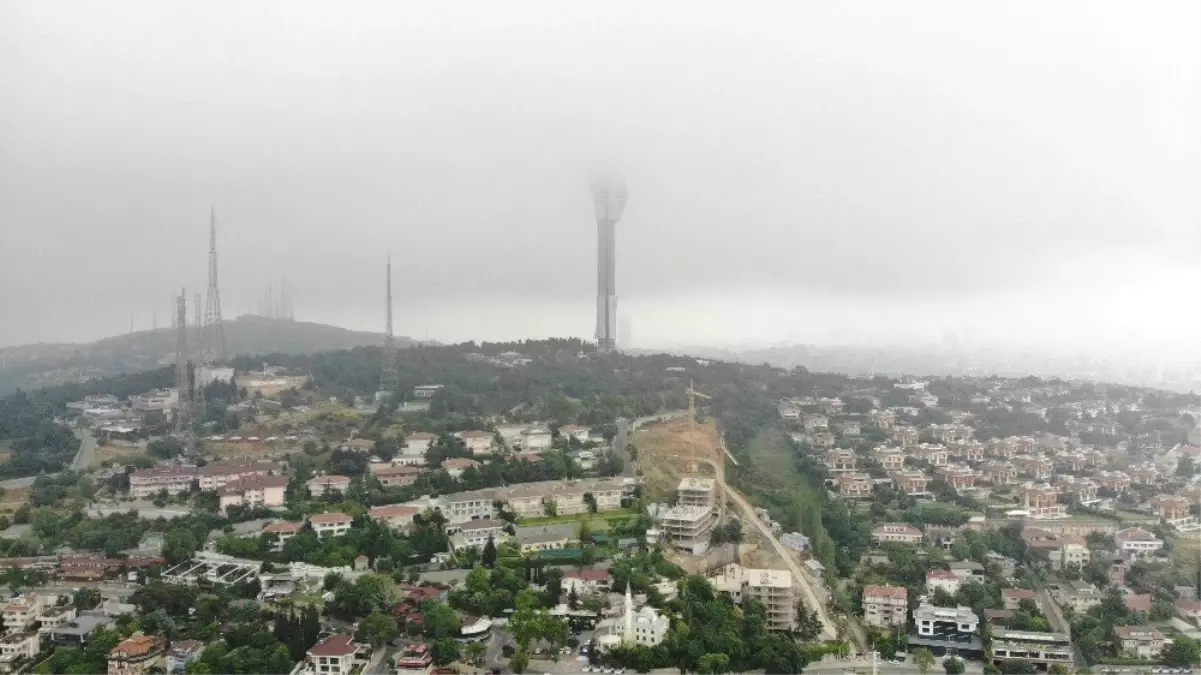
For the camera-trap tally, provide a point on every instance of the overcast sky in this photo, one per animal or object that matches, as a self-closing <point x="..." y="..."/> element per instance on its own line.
<point x="1018" y="172"/>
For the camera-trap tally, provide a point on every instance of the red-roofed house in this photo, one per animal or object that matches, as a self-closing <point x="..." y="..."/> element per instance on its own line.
<point x="885" y="606"/>
<point x="455" y="466"/>
<point x="397" y="516"/>
<point x="936" y="579"/>
<point x="334" y="655"/>
<point x="395" y="475"/>
<point x="135" y="655"/>
<point x="585" y="581"/>
<point x="1014" y="596"/>
<point x="283" y="531"/>
<point x="323" y="485"/>
<point x="331" y="524"/>
<point x="254" y="491"/>
<point x="1189" y="610"/>
<point x="1138" y="602"/>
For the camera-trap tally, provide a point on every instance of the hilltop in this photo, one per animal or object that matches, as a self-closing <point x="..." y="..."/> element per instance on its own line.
<point x="40" y="365"/>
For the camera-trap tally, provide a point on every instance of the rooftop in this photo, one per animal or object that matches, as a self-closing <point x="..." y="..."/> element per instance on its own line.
<point x="330" y="518"/>
<point x="338" y="644"/>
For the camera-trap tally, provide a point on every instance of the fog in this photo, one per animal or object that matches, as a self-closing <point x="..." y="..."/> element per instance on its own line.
<point x="1020" y="173"/>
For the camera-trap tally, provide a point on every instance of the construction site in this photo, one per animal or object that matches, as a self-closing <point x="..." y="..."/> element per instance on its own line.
<point x="682" y="461"/>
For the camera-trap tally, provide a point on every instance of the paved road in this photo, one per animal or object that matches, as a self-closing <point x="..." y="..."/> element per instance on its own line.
<point x="83" y="459"/>
<point x="833" y="664"/>
<point x="87" y="451"/>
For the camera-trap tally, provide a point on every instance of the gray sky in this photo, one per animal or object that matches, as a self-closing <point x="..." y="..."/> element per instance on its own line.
<point x="1020" y="172"/>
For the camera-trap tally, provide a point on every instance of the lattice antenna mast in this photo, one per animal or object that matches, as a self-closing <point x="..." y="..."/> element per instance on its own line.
<point x="389" y="379"/>
<point x="183" y="379"/>
<point x="213" y="341"/>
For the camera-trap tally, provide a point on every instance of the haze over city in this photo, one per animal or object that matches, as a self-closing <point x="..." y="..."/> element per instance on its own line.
<point x="1019" y="175"/>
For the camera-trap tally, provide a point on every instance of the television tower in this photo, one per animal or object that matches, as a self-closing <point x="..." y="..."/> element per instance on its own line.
<point x="183" y="375"/>
<point x="212" y="341"/>
<point x="389" y="379"/>
<point x="609" y="200"/>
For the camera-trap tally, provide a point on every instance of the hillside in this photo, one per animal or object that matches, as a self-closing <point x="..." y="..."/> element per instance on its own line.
<point x="40" y="365"/>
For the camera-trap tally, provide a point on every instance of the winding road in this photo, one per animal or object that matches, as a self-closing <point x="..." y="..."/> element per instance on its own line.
<point x="83" y="459"/>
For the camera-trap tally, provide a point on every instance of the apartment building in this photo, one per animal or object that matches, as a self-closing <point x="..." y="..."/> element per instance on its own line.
<point x="1041" y="649"/>
<point x="397" y="516"/>
<point x="841" y="460"/>
<point x="899" y="533"/>
<point x="1079" y="595"/>
<point x="321" y="486"/>
<point x="332" y="656"/>
<point x="885" y="419"/>
<point x="461" y="507"/>
<point x="957" y="476"/>
<point x="892" y="459"/>
<point x="696" y="492"/>
<point x="1139" y="642"/>
<point x="942" y="579"/>
<point x="16" y="648"/>
<point x="54" y="617"/>
<point x="967" y="451"/>
<point x="254" y="491"/>
<point x="885" y="606"/>
<point x="855" y="485"/>
<point x="146" y="483"/>
<point x="136" y="655"/>
<point x="216" y="475"/>
<point x="688" y="527"/>
<point x="478" y="442"/>
<point x="945" y="622"/>
<point x="936" y="455"/>
<point x="905" y="435"/>
<point x="1171" y="508"/>
<point x="912" y="483"/>
<point x="770" y="588"/>
<point x="527" y="502"/>
<point x="1036" y="467"/>
<point x="1042" y="501"/>
<point x="22" y="611"/>
<point x="395" y="476"/>
<point x="417" y="444"/>
<point x="1135" y="542"/>
<point x="283" y="531"/>
<point x="476" y="533"/>
<point x="815" y="423"/>
<point x="334" y="524"/>
<point x="1118" y="481"/>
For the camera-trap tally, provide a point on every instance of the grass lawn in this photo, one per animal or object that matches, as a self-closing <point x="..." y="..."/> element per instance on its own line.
<point x="597" y="521"/>
<point x="4" y="449"/>
<point x="116" y="451"/>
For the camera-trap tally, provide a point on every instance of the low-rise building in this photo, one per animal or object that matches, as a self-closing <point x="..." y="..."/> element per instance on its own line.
<point x="417" y="444"/>
<point x="1137" y="542"/>
<point x="17" y="649"/>
<point x="912" y="483"/>
<point x="395" y="475"/>
<point x="283" y="531"/>
<point x="397" y="516"/>
<point x="23" y="610"/>
<point x="855" y="485"/>
<point x="1079" y="595"/>
<point x="322" y="486"/>
<point x="892" y="459"/>
<point x="136" y="655"/>
<point x="78" y="631"/>
<point x="461" y="507"/>
<point x="945" y="622"/>
<point x="181" y="653"/>
<point x="254" y="492"/>
<point x="334" y="524"/>
<point x="942" y="579"/>
<point x="900" y="533"/>
<point x="885" y="606"/>
<point x="455" y="466"/>
<point x="1041" y="649"/>
<point x="332" y="656"/>
<point x="1140" y="642"/>
<point x="1042" y="501"/>
<point x="477" y="441"/>
<point x="54" y="617"/>
<point x="476" y="533"/>
<point x="957" y="476"/>
<point x="999" y="473"/>
<point x="840" y="460"/>
<point x="1014" y="596"/>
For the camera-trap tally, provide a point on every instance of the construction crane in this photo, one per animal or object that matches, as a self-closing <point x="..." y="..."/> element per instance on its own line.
<point x="692" y="394"/>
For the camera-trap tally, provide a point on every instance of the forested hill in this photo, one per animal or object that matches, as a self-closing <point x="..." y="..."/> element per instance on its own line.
<point x="40" y="365"/>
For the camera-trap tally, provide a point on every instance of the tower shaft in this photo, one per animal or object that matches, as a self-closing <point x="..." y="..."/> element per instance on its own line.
<point x="212" y="342"/>
<point x="606" y="285"/>
<point x="389" y="379"/>
<point x="183" y="374"/>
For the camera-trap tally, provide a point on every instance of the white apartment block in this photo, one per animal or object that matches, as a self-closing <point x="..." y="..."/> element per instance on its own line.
<point x="476" y="533"/>
<point x="478" y="442"/>
<point x="770" y="588"/>
<point x="21" y="612"/>
<point x="688" y="527"/>
<point x="696" y="492"/>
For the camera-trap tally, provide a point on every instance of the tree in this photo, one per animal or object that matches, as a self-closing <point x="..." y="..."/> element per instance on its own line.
<point x="378" y="629"/>
<point x="953" y="666"/>
<point x="924" y="659"/>
<point x="713" y="664"/>
<point x="476" y="652"/>
<point x="1182" y="653"/>
<point x="488" y="557"/>
<point x="1058" y="669"/>
<point x="1019" y="667"/>
<point x="445" y="651"/>
<point x="179" y="545"/>
<point x="86" y="598"/>
<point x="520" y="661"/>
